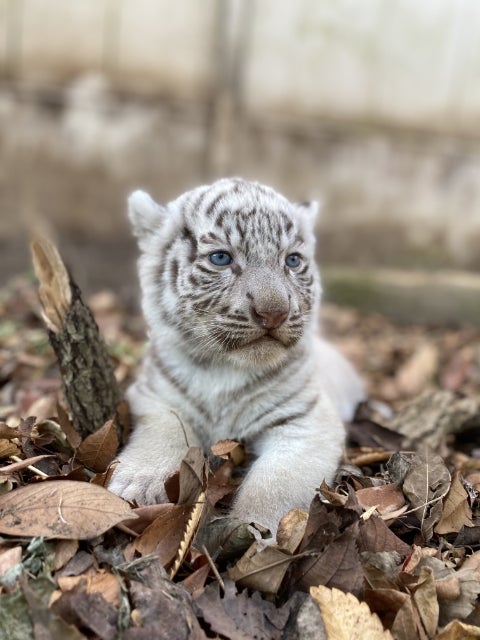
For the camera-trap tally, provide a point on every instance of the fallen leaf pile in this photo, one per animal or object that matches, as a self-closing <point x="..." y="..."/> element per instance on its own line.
<point x="391" y="550"/>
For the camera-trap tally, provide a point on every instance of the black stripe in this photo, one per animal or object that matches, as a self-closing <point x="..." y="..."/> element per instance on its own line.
<point x="259" y="383"/>
<point x="280" y="422"/>
<point x="210" y="210"/>
<point x="188" y="235"/>
<point x="174" y="274"/>
<point x="220" y="217"/>
<point x="177" y="384"/>
<point x="204" y="269"/>
<point x="265" y="413"/>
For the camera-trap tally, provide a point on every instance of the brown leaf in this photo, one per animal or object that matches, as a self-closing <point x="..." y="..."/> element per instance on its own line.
<point x="338" y="565"/>
<point x="193" y="474"/>
<point x="229" y="450"/>
<point x="457" y="630"/>
<point x="456" y="510"/>
<point x="73" y="437"/>
<point x="425" y="598"/>
<point x="468" y="578"/>
<point x="345" y="617"/>
<point x="63" y="509"/>
<point x="426" y="483"/>
<point x="374" y="535"/>
<point x="406" y="623"/>
<point x="88" y="611"/>
<point x="164" y="535"/>
<point x="332" y="496"/>
<point x="364" y="432"/>
<point x="386" y="498"/>
<point x="23" y="464"/>
<point x="195" y="582"/>
<point x="291" y="530"/>
<point x="261" y="567"/>
<point x="9" y="558"/>
<point x="414" y="375"/>
<point x="8" y="449"/>
<point x="220" y="483"/>
<point x="394" y="609"/>
<point x="99" y="449"/>
<point x="191" y="529"/>
<point x="93" y="581"/>
<point x="145" y="515"/>
<point x="164" y="610"/>
<point x="239" y="616"/>
<point x="381" y="569"/>
<point x="64" y="551"/>
<point x="8" y="433"/>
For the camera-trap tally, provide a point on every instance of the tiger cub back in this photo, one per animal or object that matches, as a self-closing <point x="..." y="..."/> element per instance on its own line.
<point x="230" y="293"/>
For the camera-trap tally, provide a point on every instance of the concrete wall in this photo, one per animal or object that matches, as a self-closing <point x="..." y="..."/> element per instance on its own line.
<point x="371" y="105"/>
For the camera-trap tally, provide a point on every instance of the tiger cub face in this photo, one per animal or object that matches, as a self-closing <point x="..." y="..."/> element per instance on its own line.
<point x="227" y="272"/>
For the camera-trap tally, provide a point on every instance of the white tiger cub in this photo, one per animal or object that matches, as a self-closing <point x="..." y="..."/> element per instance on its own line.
<point x="230" y="296"/>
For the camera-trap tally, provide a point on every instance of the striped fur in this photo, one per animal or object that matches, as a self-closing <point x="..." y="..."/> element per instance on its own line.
<point x="233" y="350"/>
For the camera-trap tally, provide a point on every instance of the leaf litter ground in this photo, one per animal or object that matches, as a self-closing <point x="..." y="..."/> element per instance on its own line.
<point x="392" y="550"/>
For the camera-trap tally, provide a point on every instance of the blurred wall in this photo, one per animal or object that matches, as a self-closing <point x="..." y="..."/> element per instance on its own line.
<point x="371" y="106"/>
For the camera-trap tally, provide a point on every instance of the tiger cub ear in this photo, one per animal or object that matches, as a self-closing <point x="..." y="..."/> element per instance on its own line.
<point x="146" y="216"/>
<point x="309" y="210"/>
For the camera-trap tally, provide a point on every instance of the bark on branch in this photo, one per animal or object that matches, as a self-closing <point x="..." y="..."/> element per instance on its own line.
<point x="89" y="384"/>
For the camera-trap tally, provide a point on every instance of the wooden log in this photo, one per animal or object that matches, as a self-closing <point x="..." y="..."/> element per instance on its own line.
<point x="88" y="379"/>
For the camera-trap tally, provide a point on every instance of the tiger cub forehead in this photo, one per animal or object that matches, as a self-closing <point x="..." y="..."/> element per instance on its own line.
<point x="232" y="212"/>
<point x="245" y="215"/>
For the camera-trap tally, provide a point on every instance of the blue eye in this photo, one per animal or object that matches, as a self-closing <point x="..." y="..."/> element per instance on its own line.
<point x="293" y="260"/>
<point x="220" y="258"/>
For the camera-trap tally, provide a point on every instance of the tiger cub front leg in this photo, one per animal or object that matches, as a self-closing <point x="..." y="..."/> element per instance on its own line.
<point x="155" y="450"/>
<point x="291" y="465"/>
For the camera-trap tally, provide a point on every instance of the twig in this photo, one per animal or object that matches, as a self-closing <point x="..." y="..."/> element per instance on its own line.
<point x="214" y="568"/>
<point x="42" y="474"/>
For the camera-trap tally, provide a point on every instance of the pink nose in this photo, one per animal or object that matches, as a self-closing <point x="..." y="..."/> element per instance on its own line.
<point x="269" y="319"/>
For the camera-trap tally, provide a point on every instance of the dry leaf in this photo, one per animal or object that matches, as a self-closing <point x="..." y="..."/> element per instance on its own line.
<point x="425" y="597"/>
<point x="8" y="449"/>
<point x="229" y="450"/>
<point x="61" y="509"/>
<point x="64" y="552"/>
<point x="261" y="567"/>
<point x="73" y="437"/>
<point x="338" y="565"/>
<point x="457" y="630"/>
<point x="164" y="535"/>
<point x="22" y="464"/>
<point x="99" y="449"/>
<point x="426" y="483"/>
<point x="332" y="496"/>
<point x="191" y="529"/>
<point x="345" y="618"/>
<point x="93" y="581"/>
<point x="374" y="535"/>
<point x="9" y="558"/>
<point x="414" y="375"/>
<point x="7" y="432"/>
<point x="386" y="498"/>
<point x="456" y="510"/>
<point x="195" y="582"/>
<point x="292" y="529"/>
<point x="238" y="616"/>
<point x="395" y="609"/>
<point x="193" y="476"/>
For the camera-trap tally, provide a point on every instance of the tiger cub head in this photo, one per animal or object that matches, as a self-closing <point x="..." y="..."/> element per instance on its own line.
<point x="227" y="272"/>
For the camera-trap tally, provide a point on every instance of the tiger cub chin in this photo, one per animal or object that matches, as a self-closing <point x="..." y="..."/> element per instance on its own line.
<point x="230" y="296"/>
